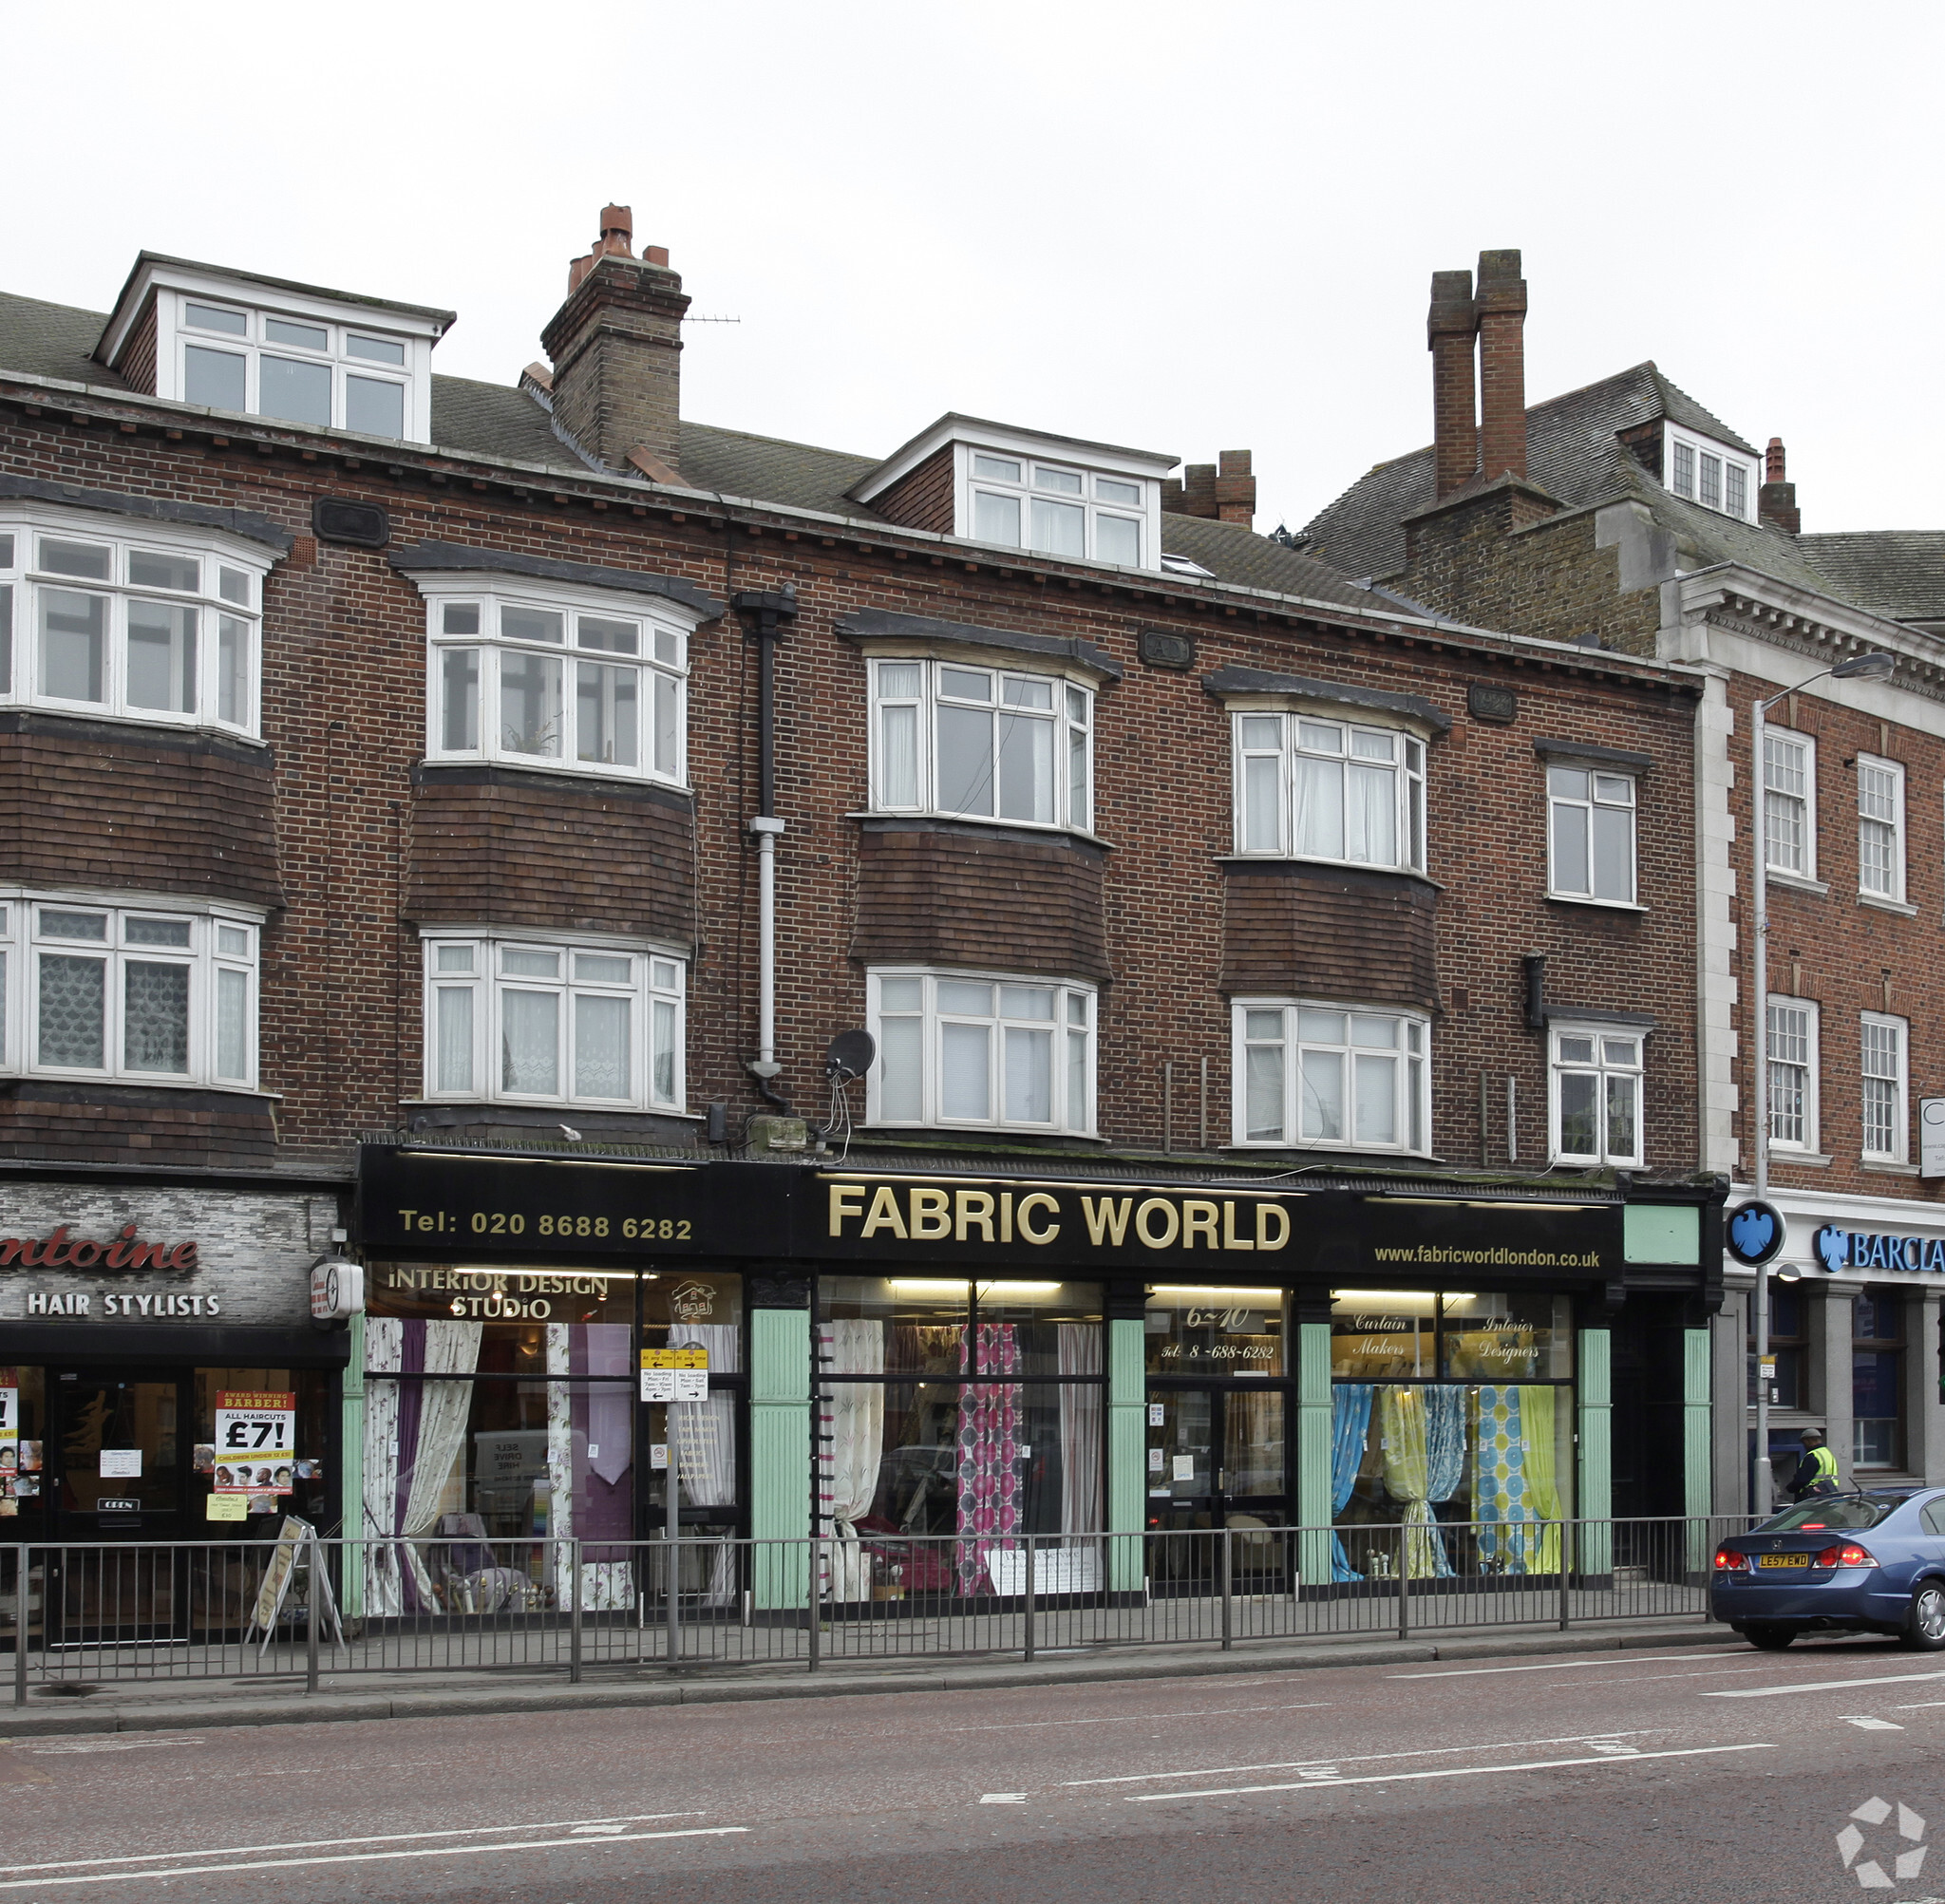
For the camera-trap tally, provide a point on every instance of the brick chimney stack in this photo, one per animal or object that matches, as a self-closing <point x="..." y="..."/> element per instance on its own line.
<point x="615" y="346"/>
<point x="1775" y="502"/>
<point x="1502" y="366"/>
<point x="1235" y="488"/>
<point x="1450" y="328"/>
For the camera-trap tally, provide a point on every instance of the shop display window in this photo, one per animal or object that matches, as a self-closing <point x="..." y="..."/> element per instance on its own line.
<point x="1004" y="1438"/>
<point x="1474" y="1469"/>
<point x="1787" y="1343"/>
<point x="1876" y="1378"/>
<point x="1213" y="1330"/>
<point x="306" y="1488"/>
<point x="23" y="1444"/>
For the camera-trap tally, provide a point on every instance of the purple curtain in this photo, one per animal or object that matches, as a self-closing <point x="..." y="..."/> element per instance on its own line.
<point x="603" y="1486"/>
<point x="990" y="1451"/>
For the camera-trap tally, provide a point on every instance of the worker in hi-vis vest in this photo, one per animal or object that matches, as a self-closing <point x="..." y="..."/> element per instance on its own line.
<point x="1817" y="1472"/>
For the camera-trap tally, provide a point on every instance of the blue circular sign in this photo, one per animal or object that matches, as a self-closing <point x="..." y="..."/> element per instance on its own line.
<point x="1755" y="1232"/>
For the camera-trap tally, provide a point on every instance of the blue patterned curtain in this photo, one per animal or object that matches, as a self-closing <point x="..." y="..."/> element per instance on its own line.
<point x="1445" y="1447"/>
<point x="1499" y="1480"/>
<point x="1351" y="1422"/>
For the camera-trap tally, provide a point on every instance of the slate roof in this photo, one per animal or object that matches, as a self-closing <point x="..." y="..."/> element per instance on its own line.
<point x="1573" y="452"/>
<point x="502" y="423"/>
<point x="1896" y="573"/>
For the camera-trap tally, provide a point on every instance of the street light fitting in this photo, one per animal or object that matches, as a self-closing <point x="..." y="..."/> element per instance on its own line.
<point x="1873" y="666"/>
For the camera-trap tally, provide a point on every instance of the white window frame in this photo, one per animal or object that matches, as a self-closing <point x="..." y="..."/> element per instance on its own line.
<point x="1784" y="740"/>
<point x="1899" y="1079"/>
<point x="1074" y="1048"/>
<point x="661" y="655"/>
<point x="220" y="622"/>
<point x="1683" y="451"/>
<point x="1807" y="1143"/>
<point x="179" y="331"/>
<point x="1600" y="796"/>
<point x="1251" y="746"/>
<point x="1603" y="1066"/>
<point x="658" y="977"/>
<point x="1070" y="716"/>
<point x="1889" y="827"/>
<point x="1060" y="483"/>
<point x="1411" y="1060"/>
<point x="221" y="940"/>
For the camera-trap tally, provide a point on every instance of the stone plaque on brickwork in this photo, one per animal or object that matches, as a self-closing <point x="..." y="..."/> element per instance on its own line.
<point x="1164" y="648"/>
<point x="1485" y="702"/>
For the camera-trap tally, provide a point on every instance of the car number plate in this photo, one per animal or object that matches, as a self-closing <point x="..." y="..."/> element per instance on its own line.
<point x="1783" y="1560"/>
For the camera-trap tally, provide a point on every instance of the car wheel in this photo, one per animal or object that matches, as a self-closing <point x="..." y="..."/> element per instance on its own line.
<point x="1770" y="1637"/>
<point x="1924" y="1626"/>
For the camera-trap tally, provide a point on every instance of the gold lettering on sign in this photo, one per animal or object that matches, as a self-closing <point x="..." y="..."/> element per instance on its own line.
<point x="1148" y="1208"/>
<point x="1111" y="1219"/>
<point x="974" y="1206"/>
<point x="847" y="1200"/>
<point x="1230" y="1239"/>
<point x="884" y="1213"/>
<point x="1265" y="1213"/>
<point x="1197" y="1220"/>
<point x="1032" y="1206"/>
<point x="932" y="1220"/>
<point x="1005" y="1216"/>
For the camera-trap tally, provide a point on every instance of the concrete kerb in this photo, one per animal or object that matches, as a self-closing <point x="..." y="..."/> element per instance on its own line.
<point x="137" y="1708"/>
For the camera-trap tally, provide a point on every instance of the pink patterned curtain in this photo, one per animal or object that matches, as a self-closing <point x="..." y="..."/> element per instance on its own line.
<point x="989" y="1450"/>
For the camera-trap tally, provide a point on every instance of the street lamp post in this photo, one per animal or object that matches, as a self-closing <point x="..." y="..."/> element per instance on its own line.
<point x="1869" y="666"/>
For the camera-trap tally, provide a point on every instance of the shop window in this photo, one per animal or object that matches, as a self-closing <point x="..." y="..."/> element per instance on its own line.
<point x="1590" y="834"/>
<point x="1002" y="1437"/>
<point x="955" y="739"/>
<point x="1311" y="788"/>
<point x="1789" y="1343"/>
<point x="969" y="1049"/>
<point x="164" y="994"/>
<point x="1199" y="1330"/>
<point x="535" y="675"/>
<point x="22" y="1446"/>
<point x="1330" y="1076"/>
<point x="1453" y="1415"/>
<point x="1595" y="1086"/>
<point x="540" y="1020"/>
<point x="307" y="1489"/>
<point x="163" y="627"/>
<point x="1877" y="1379"/>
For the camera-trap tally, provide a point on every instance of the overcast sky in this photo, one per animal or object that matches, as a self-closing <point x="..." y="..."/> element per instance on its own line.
<point x="1182" y="226"/>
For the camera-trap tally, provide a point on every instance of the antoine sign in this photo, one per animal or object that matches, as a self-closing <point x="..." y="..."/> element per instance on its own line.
<point x="126" y="1253"/>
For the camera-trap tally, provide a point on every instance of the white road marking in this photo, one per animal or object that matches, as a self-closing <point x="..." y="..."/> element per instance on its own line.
<point x="115" y="1744"/>
<point x="594" y="1830"/>
<point x="1361" y="1759"/>
<point x="371" y="1857"/>
<point x="1445" y="1772"/>
<point x="1004" y="1798"/>
<point x="1820" y="1686"/>
<point x="1559" y="1665"/>
<point x="331" y="1843"/>
<point x="1875" y="1724"/>
<point x="1139" y="1718"/>
<point x="1649" y="1678"/>
<point x="1919" y="1705"/>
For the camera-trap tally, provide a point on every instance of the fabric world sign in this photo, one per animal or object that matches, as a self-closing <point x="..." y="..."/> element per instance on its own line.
<point x="1838" y="1249"/>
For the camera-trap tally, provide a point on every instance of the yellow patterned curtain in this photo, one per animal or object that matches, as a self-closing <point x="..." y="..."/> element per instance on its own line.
<point x="1537" y="1422"/>
<point x="1408" y="1478"/>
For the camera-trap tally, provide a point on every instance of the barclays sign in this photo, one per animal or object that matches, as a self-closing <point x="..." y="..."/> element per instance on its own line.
<point x="1838" y="1250"/>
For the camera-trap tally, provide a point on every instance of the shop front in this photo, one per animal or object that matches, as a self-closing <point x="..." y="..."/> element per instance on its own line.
<point x="928" y="1369"/>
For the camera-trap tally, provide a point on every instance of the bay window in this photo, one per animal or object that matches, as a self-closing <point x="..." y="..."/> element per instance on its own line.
<point x="160" y="994"/>
<point x="976" y="1049"/>
<point x="1594" y="1092"/>
<point x="953" y="738"/>
<point x="524" y="1018"/>
<point x="1331" y="1075"/>
<point x="1307" y="788"/>
<point x="161" y="626"/>
<point x="540" y="678"/>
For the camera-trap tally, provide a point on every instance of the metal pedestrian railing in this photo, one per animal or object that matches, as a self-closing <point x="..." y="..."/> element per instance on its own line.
<point x="300" y="1607"/>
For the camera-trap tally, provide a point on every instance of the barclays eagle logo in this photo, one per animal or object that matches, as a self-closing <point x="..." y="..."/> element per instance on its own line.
<point x="1753" y="1231"/>
<point x="1833" y="1248"/>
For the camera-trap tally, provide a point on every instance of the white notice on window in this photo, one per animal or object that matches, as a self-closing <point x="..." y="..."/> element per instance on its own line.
<point x="121" y="1464"/>
<point x="1184" y="1467"/>
<point x="1156" y="1458"/>
<point x="675" y="1375"/>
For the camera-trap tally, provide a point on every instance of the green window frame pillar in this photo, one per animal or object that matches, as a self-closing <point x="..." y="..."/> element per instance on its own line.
<point x="1698" y="1449"/>
<point x="1127" y="1451"/>
<point x="1596" y="1464"/>
<point x="780" y="1455"/>
<point x="1316" y="1418"/>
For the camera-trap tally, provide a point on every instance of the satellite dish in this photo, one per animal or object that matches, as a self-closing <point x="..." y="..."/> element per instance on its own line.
<point x="849" y="1056"/>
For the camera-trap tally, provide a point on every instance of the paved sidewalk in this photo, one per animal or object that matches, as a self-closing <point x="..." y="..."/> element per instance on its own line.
<point x="149" y="1706"/>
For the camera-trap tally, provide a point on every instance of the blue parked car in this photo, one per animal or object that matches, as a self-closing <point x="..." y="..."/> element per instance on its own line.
<point x="1849" y="1563"/>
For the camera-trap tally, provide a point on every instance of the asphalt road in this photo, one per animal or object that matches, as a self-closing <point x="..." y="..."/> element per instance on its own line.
<point x="1711" y="1773"/>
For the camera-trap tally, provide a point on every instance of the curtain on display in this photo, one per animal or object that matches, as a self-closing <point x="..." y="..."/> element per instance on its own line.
<point x="1401" y="1430"/>
<point x="590" y="1456"/>
<point x="1079" y="1432"/>
<point x="1504" y="1499"/>
<point x="1350" y="1423"/>
<point x="1539" y="1417"/>
<point x="432" y="1438"/>
<point x="384" y="1599"/>
<point x="852" y="1418"/>
<point x="989" y="1452"/>
<point x="704" y="1434"/>
<point x="1444" y="1444"/>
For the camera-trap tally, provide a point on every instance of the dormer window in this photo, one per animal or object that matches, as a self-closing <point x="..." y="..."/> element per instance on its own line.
<point x="228" y="340"/>
<point x="1711" y="473"/>
<point x="1054" y="509"/>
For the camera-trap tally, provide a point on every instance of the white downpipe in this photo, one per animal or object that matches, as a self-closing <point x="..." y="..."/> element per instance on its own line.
<point x="766" y="827"/>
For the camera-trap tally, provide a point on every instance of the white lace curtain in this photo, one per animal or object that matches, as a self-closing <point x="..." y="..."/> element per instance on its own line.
<point x="851" y="1422"/>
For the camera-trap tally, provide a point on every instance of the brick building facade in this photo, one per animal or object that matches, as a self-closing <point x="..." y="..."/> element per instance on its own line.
<point x="406" y="821"/>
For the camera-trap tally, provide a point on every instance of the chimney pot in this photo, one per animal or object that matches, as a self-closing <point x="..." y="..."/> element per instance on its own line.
<point x="1502" y="366"/>
<point x="1775" y="502"/>
<point x="1773" y="461"/>
<point x="1450" y="329"/>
